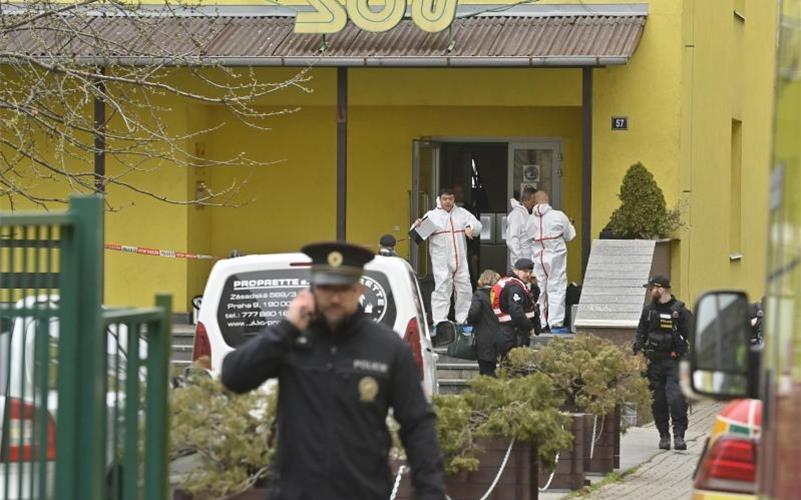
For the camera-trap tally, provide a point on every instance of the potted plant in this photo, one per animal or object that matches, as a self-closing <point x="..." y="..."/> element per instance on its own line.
<point x="517" y="418"/>
<point x="223" y="440"/>
<point x="643" y="212"/>
<point x="593" y="376"/>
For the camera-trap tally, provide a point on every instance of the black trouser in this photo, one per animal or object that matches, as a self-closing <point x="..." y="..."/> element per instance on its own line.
<point x="486" y="368"/>
<point x="510" y="337"/>
<point x="668" y="402"/>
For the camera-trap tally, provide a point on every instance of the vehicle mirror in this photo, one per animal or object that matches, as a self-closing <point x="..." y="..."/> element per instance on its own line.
<point x="719" y="354"/>
<point x="445" y="334"/>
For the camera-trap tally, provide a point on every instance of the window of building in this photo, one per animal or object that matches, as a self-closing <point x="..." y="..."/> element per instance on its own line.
<point x="735" y="185"/>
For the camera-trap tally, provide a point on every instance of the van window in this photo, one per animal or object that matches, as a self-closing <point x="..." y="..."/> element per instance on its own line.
<point x="418" y="301"/>
<point x="254" y="300"/>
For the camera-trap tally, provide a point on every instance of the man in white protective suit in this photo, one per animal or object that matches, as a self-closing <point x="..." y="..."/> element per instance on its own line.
<point x="552" y="230"/>
<point x="448" y="249"/>
<point x="519" y="223"/>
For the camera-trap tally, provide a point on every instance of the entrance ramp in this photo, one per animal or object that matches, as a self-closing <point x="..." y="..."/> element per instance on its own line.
<point x="612" y="295"/>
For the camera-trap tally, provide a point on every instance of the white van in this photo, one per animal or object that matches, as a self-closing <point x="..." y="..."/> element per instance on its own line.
<point x="244" y="295"/>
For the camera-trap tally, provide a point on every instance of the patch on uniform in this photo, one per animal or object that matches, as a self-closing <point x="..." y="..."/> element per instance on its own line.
<point x="373" y="366"/>
<point x="335" y="259"/>
<point x="368" y="389"/>
<point x="665" y="322"/>
<point x="516" y="298"/>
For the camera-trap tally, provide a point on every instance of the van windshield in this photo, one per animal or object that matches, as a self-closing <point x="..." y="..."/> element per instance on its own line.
<point x="254" y="300"/>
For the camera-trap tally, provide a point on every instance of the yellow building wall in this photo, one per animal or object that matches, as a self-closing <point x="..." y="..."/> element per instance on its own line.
<point x="148" y="222"/>
<point x="696" y="68"/>
<point x="294" y="201"/>
<point x="288" y="202"/>
<point x="727" y="75"/>
<point x="647" y="90"/>
<point x="130" y="218"/>
<point x="372" y="167"/>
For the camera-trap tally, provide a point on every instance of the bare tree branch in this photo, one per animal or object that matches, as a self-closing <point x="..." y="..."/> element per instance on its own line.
<point x="50" y="59"/>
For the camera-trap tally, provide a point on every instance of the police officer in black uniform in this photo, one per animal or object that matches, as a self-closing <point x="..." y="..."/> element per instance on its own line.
<point x="339" y="372"/>
<point x="386" y="246"/>
<point x="663" y="335"/>
<point x="514" y="302"/>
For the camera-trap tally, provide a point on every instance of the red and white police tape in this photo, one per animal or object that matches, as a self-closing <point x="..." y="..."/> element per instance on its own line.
<point x="156" y="252"/>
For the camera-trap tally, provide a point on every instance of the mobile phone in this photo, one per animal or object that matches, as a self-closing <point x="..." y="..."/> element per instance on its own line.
<point x="312" y="316"/>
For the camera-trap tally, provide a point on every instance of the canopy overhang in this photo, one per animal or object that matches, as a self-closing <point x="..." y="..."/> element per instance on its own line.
<point x="480" y="36"/>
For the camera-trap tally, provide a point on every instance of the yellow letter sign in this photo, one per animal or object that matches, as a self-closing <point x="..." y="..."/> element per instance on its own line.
<point x="330" y="16"/>
<point x="383" y="20"/>
<point x="433" y="15"/>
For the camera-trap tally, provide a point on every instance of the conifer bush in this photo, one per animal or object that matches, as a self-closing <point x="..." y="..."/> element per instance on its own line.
<point x="525" y="408"/>
<point x="643" y="213"/>
<point x="229" y="434"/>
<point x="590" y="374"/>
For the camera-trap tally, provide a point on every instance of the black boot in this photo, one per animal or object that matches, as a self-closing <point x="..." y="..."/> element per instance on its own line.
<point x="664" y="442"/>
<point x="678" y="442"/>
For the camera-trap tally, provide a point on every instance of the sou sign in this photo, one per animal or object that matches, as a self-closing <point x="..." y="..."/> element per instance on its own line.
<point x="330" y="16"/>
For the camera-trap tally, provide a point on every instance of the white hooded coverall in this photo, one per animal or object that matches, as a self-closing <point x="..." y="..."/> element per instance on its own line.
<point x="519" y="233"/>
<point x="552" y="229"/>
<point x="448" y="249"/>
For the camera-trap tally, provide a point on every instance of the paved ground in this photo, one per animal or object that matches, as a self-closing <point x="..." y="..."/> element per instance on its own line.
<point x="660" y="474"/>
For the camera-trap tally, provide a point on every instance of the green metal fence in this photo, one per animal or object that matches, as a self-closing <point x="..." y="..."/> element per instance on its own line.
<point x="83" y="389"/>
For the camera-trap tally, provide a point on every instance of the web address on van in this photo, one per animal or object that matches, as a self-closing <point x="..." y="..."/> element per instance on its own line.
<point x="271" y="283"/>
<point x="250" y="324"/>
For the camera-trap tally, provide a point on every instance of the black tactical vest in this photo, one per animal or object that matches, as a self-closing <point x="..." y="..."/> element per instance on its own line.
<point x="663" y="329"/>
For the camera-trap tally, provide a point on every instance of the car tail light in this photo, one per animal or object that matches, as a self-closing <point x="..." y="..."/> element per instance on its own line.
<point x="729" y="465"/>
<point x="23" y="433"/>
<point x="412" y="337"/>
<point x="201" y="346"/>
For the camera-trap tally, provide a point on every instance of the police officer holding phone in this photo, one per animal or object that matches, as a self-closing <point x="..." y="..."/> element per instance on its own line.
<point x="339" y="372"/>
<point x="662" y="335"/>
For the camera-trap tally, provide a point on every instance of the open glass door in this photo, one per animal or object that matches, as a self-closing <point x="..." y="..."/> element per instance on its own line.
<point x="537" y="164"/>
<point x="425" y="173"/>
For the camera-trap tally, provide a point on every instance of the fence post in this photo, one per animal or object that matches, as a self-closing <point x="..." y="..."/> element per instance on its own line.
<point x="81" y="436"/>
<point x="156" y="408"/>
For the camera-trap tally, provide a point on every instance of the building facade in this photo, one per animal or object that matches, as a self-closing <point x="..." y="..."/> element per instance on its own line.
<point x="566" y="95"/>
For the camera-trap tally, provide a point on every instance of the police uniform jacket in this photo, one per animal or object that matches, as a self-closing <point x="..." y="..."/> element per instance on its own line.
<point x="663" y="329"/>
<point x="516" y="302"/>
<point x="334" y="392"/>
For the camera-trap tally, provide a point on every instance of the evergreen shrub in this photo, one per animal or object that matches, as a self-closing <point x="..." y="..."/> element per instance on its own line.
<point x="228" y="433"/>
<point x="643" y="213"/>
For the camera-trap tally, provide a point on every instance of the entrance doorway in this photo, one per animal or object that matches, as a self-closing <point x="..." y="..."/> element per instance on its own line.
<point x="484" y="174"/>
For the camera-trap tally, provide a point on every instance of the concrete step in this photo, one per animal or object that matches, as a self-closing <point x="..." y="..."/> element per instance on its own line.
<point x="183" y="338"/>
<point x="452" y="386"/>
<point x="457" y="370"/>
<point x="536" y="341"/>
<point x="180" y="364"/>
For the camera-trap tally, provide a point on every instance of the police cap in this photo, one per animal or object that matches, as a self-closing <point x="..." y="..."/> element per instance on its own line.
<point x="524" y="264"/>
<point x="337" y="263"/>
<point x="387" y="241"/>
<point x="658" y="280"/>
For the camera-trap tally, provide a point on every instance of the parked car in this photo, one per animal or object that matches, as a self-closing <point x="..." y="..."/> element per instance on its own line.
<point x="244" y="295"/>
<point x="21" y="411"/>
<point x="727" y="467"/>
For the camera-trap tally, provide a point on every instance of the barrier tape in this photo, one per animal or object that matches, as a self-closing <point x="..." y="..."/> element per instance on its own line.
<point x="155" y="252"/>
